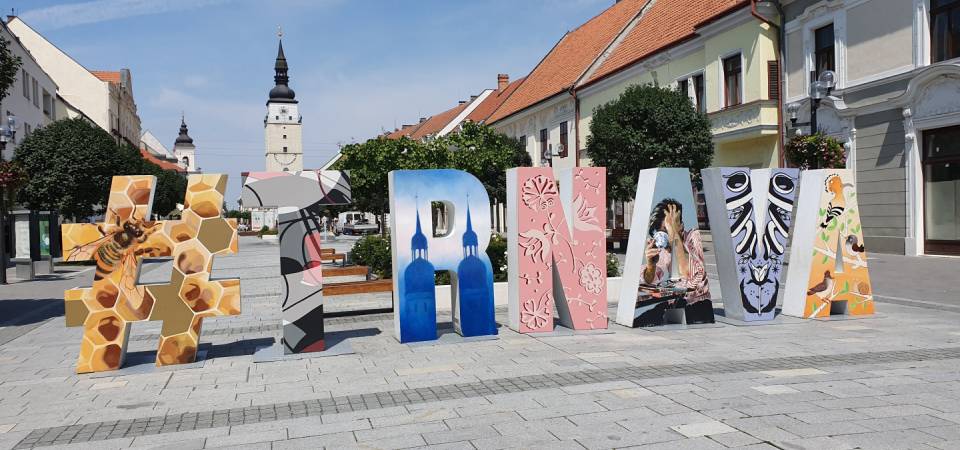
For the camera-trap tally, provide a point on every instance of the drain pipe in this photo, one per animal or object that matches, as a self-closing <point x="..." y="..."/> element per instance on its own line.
<point x="781" y="128"/>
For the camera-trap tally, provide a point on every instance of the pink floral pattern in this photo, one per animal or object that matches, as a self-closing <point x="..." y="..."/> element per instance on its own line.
<point x="591" y="279"/>
<point x="540" y="193"/>
<point x="536" y="313"/>
<point x="551" y="241"/>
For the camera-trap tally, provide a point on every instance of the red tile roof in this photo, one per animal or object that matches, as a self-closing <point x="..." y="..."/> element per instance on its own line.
<point x="435" y="123"/>
<point x="493" y="101"/>
<point x="108" y="76"/>
<point x="406" y="130"/>
<point x="665" y="24"/>
<point x="570" y="57"/>
<point x="166" y="165"/>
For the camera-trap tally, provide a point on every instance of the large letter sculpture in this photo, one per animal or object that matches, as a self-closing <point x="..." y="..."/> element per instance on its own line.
<point x="664" y="274"/>
<point x="299" y="198"/>
<point x="756" y="207"/>
<point x="828" y="264"/>
<point x="127" y="235"/>
<point x="462" y="251"/>
<point x="556" y="248"/>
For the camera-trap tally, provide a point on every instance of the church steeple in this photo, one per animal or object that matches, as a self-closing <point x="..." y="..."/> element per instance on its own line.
<point x="281" y="92"/>
<point x="418" y="244"/>
<point x="183" y="137"/>
<point x="470" y="241"/>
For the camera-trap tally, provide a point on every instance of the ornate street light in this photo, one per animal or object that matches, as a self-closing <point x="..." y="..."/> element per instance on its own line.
<point x="8" y="133"/>
<point x="819" y="90"/>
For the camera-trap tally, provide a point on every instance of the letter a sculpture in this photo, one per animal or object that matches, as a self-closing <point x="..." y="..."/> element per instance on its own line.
<point x="116" y="300"/>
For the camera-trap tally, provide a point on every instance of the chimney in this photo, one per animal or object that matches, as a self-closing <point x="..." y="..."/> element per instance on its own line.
<point x="461" y="102"/>
<point x="502" y="81"/>
<point x="423" y="119"/>
<point x="473" y="97"/>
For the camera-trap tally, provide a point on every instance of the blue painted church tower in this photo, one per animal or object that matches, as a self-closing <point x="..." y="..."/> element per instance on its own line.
<point x="475" y="288"/>
<point x="419" y="306"/>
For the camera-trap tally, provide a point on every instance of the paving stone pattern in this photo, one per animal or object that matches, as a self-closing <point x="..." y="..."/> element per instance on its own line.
<point x="96" y="431"/>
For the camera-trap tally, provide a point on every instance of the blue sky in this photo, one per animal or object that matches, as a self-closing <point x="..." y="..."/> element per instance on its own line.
<point x="358" y="67"/>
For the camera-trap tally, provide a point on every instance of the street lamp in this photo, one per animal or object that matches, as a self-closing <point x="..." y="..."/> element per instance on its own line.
<point x="8" y="133"/>
<point x="819" y="90"/>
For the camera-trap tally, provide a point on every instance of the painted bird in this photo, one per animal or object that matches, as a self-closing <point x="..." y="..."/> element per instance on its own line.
<point x="824" y="289"/>
<point x="853" y="245"/>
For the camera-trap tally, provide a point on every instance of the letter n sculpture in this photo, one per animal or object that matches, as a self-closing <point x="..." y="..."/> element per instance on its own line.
<point x="556" y="248"/>
<point x="116" y="300"/>
<point x="300" y="198"/>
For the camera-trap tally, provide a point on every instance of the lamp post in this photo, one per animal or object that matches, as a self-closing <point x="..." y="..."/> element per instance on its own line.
<point x="819" y="90"/>
<point x="8" y="133"/>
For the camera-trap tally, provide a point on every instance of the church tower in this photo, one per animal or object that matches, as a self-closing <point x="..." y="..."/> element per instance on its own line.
<point x="475" y="278"/>
<point x="419" y="306"/>
<point x="282" y="125"/>
<point x="184" y="150"/>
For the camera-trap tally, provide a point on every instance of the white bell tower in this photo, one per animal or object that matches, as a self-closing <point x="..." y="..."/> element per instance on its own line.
<point x="282" y="125"/>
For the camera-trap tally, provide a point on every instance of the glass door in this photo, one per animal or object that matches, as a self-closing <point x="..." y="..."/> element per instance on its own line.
<point x="941" y="190"/>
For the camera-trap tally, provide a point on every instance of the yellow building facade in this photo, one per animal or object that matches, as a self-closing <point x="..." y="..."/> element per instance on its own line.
<point x="730" y="70"/>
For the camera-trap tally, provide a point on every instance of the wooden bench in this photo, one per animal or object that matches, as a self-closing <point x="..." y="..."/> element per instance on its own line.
<point x="329" y="254"/>
<point x="346" y="271"/>
<point x="619" y="235"/>
<point x="357" y="287"/>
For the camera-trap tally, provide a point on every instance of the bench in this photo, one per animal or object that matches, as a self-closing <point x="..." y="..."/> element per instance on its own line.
<point x="357" y="287"/>
<point x="346" y="271"/>
<point x="618" y="235"/>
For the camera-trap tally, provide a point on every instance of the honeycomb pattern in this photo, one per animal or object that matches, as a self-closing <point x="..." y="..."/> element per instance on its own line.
<point x="115" y="300"/>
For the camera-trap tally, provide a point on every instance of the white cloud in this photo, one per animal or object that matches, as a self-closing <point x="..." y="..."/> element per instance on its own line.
<point x="68" y="15"/>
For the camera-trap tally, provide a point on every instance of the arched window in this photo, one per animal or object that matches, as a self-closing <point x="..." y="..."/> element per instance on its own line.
<point x="186" y="162"/>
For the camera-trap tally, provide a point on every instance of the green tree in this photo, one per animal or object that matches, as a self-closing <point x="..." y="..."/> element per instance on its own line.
<point x="71" y="164"/>
<point x="647" y="126"/>
<point x="487" y="155"/>
<point x="171" y="186"/>
<point x="9" y="67"/>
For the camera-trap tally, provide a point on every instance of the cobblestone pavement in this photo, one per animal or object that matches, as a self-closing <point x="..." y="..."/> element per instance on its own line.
<point x="891" y="381"/>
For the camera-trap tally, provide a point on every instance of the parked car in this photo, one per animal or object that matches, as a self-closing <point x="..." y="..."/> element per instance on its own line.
<point x="355" y="223"/>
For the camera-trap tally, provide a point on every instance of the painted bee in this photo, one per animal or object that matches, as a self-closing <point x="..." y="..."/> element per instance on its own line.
<point x="118" y="248"/>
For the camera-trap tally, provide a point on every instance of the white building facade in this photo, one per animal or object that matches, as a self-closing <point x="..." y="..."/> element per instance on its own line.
<point x="31" y="100"/>
<point x="896" y="107"/>
<point x="105" y="98"/>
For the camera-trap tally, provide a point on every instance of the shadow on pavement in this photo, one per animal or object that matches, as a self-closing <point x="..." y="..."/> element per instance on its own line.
<point x="17" y="312"/>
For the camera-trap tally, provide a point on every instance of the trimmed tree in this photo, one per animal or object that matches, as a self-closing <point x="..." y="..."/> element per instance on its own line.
<point x="646" y="127"/>
<point x="71" y="164"/>
<point x="487" y="155"/>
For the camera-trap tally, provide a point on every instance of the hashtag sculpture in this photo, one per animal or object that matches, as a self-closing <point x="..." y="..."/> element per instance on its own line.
<point x="118" y="245"/>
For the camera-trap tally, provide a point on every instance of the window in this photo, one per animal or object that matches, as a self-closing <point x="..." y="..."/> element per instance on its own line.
<point x="47" y="104"/>
<point x="523" y="141"/>
<point x="26" y="130"/>
<point x="563" y="139"/>
<point x="823" y="52"/>
<point x="544" y="152"/>
<point x="944" y="29"/>
<point x="698" y="96"/>
<point x="36" y="96"/>
<point x="284" y="149"/>
<point x="26" y="84"/>
<point x="276" y="117"/>
<point x="732" y="69"/>
<point x="284" y="136"/>
<point x="683" y="86"/>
